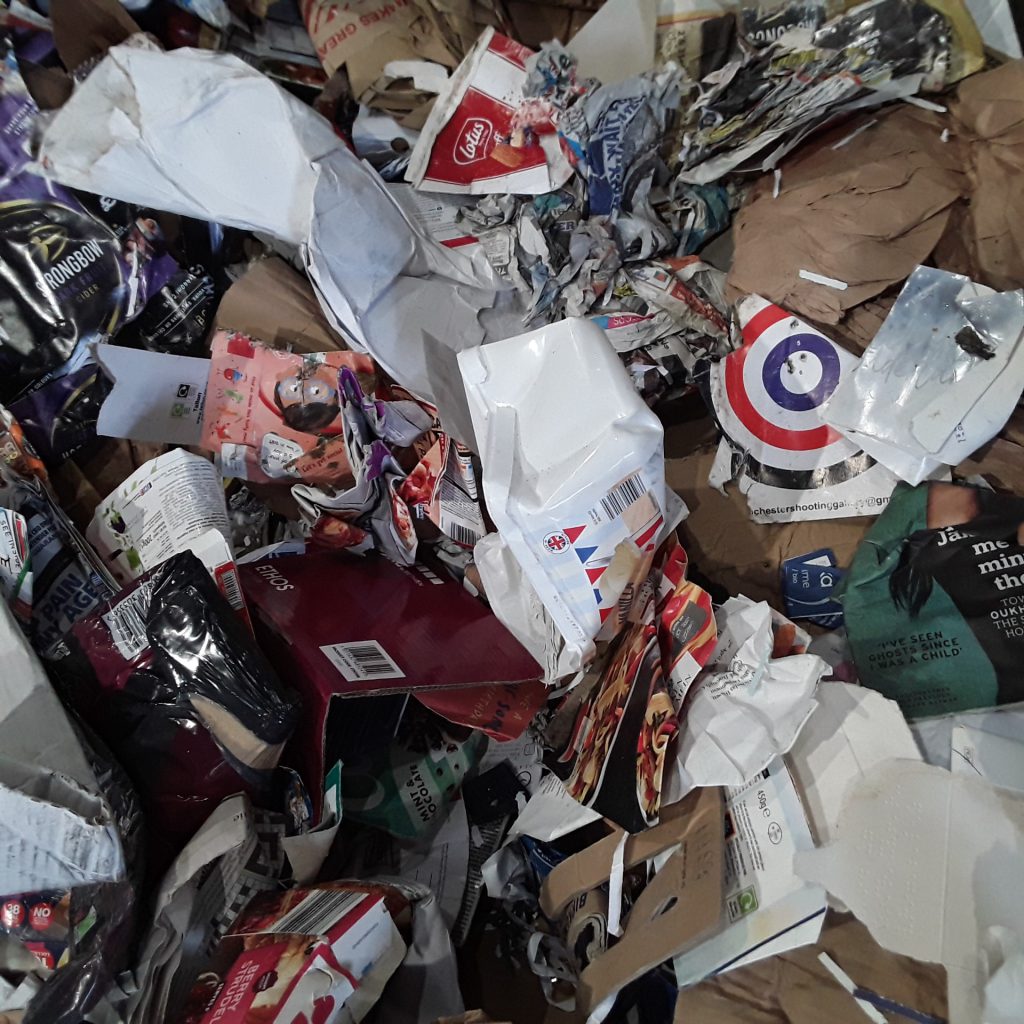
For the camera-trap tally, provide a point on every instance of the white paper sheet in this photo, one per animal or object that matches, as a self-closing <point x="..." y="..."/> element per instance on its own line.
<point x="928" y="861"/>
<point x="979" y="754"/>
<point x="934" y="736"/>
<point x="550" y="813"/>
<point x="851" y="729"/>
<point x="745" y="707"/>
<point x="444" y="867"/>
<point x="156" y="396"/>
<point x="617" y="41"/>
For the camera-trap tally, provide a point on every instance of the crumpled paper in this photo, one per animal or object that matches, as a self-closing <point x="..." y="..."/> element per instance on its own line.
<point x="747" y="706"/>
<point x="204" y="135"/>
<point x="772" y="99"/>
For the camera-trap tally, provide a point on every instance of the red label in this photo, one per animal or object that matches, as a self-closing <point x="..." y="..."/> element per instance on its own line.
<point x="255" y="972"/>
<point x="12" y="914"/>
<point x="42" y="954"/>
<point x="41" y="916"/>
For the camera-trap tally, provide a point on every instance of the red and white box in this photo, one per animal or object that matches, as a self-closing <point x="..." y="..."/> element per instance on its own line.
<point x="306" y="956"/>
<point x="476" y="141"/>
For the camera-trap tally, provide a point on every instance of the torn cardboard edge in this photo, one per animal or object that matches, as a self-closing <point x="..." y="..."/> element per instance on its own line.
<point x="677" y="908"/>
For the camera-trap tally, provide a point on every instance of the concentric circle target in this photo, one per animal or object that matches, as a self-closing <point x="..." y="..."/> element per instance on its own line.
<point x="769" y="396"/>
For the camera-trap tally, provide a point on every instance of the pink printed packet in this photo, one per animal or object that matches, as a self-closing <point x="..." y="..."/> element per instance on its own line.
<point x="273" y="415"/>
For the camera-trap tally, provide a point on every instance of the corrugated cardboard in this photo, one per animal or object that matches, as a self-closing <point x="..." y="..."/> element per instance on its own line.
<point x="865" y="213"/>
<point x="535" y="22"/>
<point x="740" y="555"/>
<point x="1001" y="463"/>
<point x="795" y="988"/>
<point x="276" y="304"/>
<point x="81" y="484"/>
<point x="679" y="906"/>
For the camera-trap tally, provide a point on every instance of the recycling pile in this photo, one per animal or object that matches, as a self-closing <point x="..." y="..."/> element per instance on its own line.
<point x="504" y="532"/>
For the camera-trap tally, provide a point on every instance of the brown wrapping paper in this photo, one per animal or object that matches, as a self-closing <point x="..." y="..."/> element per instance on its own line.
<point x="276" y="304"/>
<point x="795" y="988"/>
<point x="986" y="238"/>
<point x="865" y="213"/>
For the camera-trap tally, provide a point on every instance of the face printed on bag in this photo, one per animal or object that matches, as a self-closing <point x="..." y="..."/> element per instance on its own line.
<point x="308" y="402"/>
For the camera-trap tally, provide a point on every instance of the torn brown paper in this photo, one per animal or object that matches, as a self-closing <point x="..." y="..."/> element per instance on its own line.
<point x="988" y="114"/>
<point x="865" y="214"/>
<point x="742" y="556"/>
<point x="794" y="988"/>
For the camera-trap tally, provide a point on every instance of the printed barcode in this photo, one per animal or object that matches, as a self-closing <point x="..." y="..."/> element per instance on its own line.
<point x="622" y="495"/>
<point x="462" y="534"/>
<point x="362" y="660"/>
<point x="317" y="912"/>
<point x="126" y="621"/>
<point x="232" y="591"/>
<point x="372" y="659"/>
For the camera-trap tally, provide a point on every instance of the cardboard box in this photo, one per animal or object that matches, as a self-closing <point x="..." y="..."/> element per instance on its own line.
<point x="321" y="954"/>
<point x="337" y="625"/>
<point x="679" y="907"/>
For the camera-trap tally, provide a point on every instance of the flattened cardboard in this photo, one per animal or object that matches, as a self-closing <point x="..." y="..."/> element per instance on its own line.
<point x="82" y="483"/>
<point x="83" y="30"/>
<point x="276" y="304"/>
<point x="742" y="556"/>
<point x="679" y="906"/>
<point x="986" y="239"/>
<point x="1001" y="463"/>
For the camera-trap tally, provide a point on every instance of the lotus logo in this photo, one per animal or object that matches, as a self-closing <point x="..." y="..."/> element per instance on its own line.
<point x="474" y="136"/>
